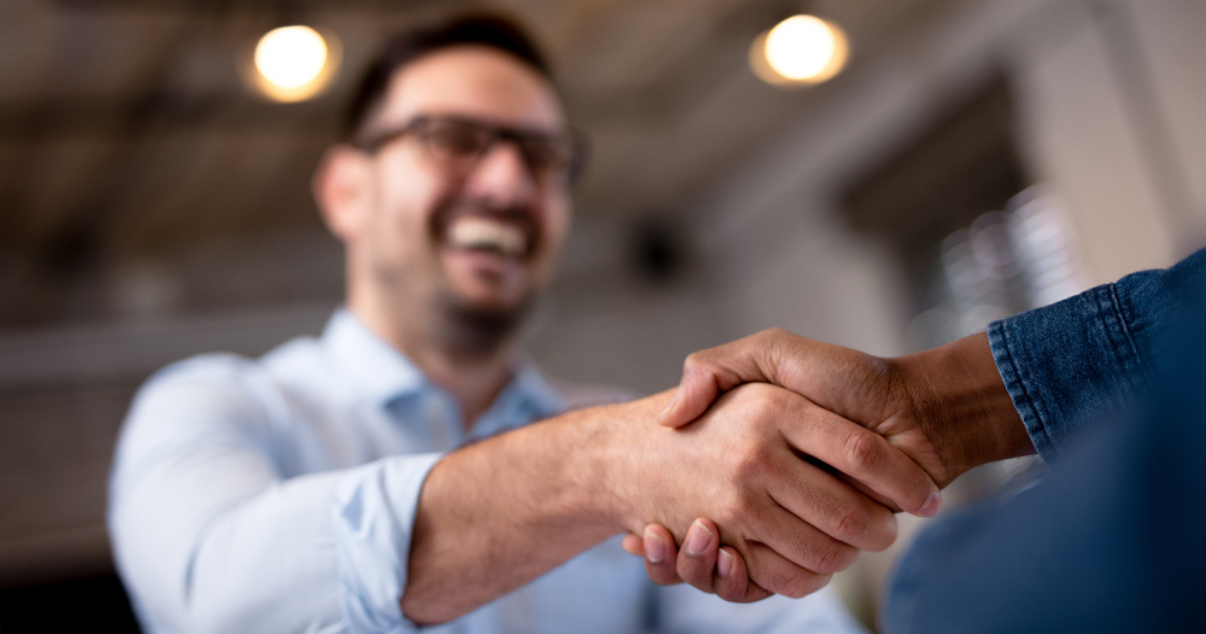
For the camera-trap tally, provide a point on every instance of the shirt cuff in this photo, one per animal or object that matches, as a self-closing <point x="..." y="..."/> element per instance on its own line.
<point x="374" y="518"/>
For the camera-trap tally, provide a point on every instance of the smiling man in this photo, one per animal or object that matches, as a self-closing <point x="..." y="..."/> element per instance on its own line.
<point x="409" y="467"/>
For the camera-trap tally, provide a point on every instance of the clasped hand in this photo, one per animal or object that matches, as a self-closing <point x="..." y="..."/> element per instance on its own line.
<point x="850" y="451"/>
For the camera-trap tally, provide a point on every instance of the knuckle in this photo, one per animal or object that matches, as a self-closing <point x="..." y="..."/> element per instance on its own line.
<point x="850" y="523"/>
<point x="746" y="458"/>
<point x="796" y="584"/>
<point x="737" y="463"/>
<point x="760" y="402"/>
<point x="863" y="453"/>
<point x="835" y="558"/>
<point x="772" y="333"/>
<point x="694" y="360"/>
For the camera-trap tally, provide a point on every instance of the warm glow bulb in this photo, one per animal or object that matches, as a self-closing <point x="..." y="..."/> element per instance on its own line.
<point x="291" y="57"/>
<point x="803" y="49"/>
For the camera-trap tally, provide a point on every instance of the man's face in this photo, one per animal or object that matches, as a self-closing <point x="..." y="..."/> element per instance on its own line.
<point x="480" y="235"/>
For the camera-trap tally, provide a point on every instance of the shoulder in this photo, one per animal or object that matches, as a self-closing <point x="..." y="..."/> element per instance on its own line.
<point x="198" y="393"/>
<point x="233" y="385"/>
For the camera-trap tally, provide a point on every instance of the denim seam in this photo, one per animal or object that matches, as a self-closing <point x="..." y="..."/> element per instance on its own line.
<point x="1014" y="384"/>
<point x="1124" y="326"/>
<point x="1036" y="407"/>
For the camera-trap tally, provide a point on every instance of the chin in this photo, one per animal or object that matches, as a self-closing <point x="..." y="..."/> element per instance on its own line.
<point x="477" y="326"/>
<point x="490" y="292"/>
<point x="490" y="300"/>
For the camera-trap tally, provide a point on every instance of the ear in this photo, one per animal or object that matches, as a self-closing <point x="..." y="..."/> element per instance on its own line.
<point x="341" y="189"/>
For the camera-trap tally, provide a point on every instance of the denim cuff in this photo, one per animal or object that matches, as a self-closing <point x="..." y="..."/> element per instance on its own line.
<point x="1068" y="364"/>
<point x="1072" y="364"/>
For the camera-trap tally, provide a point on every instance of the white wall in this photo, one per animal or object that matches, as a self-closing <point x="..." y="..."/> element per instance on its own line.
<point x="1134" y="189"/>
<point x="771" y="251"/>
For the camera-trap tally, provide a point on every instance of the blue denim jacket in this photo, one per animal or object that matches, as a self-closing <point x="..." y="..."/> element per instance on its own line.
<point x="1115" y="539"/>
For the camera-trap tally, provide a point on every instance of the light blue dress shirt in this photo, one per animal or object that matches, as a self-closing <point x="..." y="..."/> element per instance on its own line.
<point x="278" y="495"/>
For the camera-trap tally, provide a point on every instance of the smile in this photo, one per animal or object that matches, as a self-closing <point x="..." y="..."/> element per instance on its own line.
<point x="487" y="234"/>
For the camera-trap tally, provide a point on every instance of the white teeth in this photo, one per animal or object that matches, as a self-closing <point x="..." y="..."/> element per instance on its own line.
<point x="484" y="233"/>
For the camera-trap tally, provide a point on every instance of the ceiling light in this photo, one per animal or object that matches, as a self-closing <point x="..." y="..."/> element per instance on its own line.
<point x="800" y="50"/>
<point x="294" y="63"/>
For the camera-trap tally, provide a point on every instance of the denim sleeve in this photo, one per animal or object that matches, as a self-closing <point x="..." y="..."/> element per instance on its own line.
<point x="1071" y="363"/>
<point x="1112" y="540"/>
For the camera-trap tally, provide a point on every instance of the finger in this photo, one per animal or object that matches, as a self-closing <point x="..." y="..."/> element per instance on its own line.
<point x="633" y="545"/>
<point x="776" y="574"/>
<point x="697" y="557"/>
<point x="660" y="556"/>
<point x="823" y="502"/>
<point x="862" y="455"/>
<point x="732" y="582"/>
<point x="800" y="543"/>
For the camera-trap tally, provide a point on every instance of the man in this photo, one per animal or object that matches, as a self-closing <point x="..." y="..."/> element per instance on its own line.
<point x="1105" y="386"/>
<point x="314" y="489"/>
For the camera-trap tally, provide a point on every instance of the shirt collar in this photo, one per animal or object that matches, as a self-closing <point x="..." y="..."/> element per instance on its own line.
<point x="382" y="373"/>
<point x="376" y="368"/>
<point x="532" y="390"/>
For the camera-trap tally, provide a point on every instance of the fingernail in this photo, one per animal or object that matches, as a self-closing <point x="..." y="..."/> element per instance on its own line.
<point x="698" y="537"/>
<point x="724" y="563"/>
<point x="932" y="505"/>
<point x="672" y="403"/>
<point x="655" y="547"/>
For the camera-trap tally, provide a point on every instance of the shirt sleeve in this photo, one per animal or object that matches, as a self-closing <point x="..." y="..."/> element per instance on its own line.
<point x="1089" y="356"/>
<point x="209" y="536"/>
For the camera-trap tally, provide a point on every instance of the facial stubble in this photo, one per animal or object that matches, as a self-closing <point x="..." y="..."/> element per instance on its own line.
<point x="467" y="330"/>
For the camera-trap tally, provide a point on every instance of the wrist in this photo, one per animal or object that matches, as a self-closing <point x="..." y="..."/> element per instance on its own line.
<point x="958" y="397"/>
<point x="620" y="457"/>
<point x="577" y="471"/>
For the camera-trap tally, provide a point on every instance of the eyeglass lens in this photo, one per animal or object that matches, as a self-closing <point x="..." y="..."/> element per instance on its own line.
<point x="465" y="142"/>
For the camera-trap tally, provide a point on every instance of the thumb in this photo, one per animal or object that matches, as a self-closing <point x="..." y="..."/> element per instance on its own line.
<point x="695" y="394"/>
<point x="708" y="373"/>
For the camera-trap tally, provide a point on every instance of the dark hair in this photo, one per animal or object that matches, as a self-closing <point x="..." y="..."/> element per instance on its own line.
<point x="404" y="47"/>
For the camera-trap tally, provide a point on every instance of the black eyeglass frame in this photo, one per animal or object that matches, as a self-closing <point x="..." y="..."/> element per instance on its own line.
<point x="574" y="141"/>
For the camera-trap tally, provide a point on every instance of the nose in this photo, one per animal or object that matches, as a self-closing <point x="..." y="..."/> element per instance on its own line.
<point x="502" y="177"/>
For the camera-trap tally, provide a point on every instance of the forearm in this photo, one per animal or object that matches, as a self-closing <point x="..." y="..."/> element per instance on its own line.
<point x="498" y="514"/>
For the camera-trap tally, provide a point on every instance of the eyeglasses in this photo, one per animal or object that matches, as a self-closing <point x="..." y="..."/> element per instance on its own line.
<point x="460" y="142"/>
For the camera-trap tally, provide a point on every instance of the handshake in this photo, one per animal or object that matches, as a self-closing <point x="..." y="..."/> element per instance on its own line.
<point x="802" y="452"/>
<point x="778" y="459"/>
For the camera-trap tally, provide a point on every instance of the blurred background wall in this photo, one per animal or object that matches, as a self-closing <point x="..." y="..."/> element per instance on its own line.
<point x="974" y="158"/>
